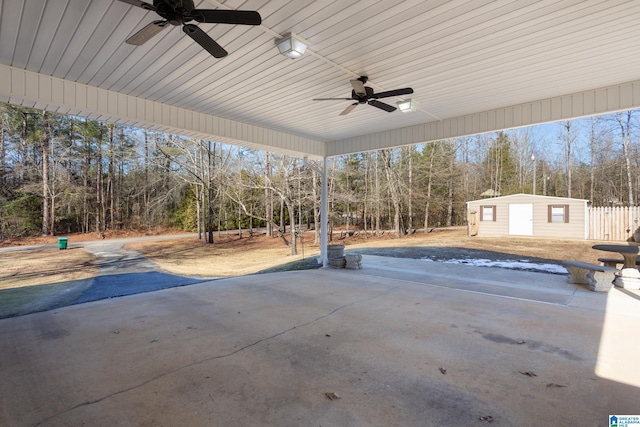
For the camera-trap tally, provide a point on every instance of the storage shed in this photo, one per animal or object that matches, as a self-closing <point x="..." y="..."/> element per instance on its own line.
<point x="528" y="215"/>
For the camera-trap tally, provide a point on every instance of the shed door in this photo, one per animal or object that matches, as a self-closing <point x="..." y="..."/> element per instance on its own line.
<point x="521" y="219"/>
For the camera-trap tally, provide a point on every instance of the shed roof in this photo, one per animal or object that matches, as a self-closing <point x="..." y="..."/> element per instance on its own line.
<point x="532" y="196"/>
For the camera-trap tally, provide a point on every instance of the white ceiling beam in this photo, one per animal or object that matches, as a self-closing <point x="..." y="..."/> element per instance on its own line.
<point x="604" y="100"/>
<point x="33" y="89"/>
<point x="58" y="95"/>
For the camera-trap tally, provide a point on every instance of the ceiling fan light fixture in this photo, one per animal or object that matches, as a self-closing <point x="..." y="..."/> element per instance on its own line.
<point x="292" y="46"/>
<point x="407" y="106"/>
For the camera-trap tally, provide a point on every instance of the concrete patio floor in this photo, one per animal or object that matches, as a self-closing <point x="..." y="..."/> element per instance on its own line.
<point x="402" y="342"/>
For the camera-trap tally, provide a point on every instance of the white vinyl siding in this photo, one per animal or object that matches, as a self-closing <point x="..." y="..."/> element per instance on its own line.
<point x="571" y="216"/>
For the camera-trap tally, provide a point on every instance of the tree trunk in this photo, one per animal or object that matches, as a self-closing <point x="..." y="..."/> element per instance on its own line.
<point x="268" y="195"/>
<point x="331" y="198"/>
<point x="111" y="178"/>
<point x="300" y="210"/>
<point x="429" y="185"/>
<point x="451" y="184"/>
<point x="147" y="192"/>
<point x="3" y="162"/>
<point x="251" y="207"/>
<point x="316" y="207"/>
<point x="85" y="176"/>
<point x="100" y="207"/>
<point x="24" y="157"/>
<point x="348" y="198"/>
<point x="410" y="190"/>
<point x="292" y="227"/>
<point x="45" y="175"/>
<point x="624" y="120"/>
<point x="365" y="212"/>
<point x="203" y="209"/>
<point x="211" y="161"/>
<point x="568" y="141"/>
<point x="394" y="192"/>
<point x="377" y="198"/>
<point x="592" y="146"/>
<point x="198" y="194"/>
<point x="283" y="224"/>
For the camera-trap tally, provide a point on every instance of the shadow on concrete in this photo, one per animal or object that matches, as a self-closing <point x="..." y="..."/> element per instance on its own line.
<point x="34" y="299"/>
<point x="118" y="285"/>
<point x="265" y="349"/>
<point x="301" y="264"/>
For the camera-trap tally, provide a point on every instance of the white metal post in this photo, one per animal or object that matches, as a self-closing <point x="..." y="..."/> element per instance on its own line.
<point x="324" y="219"/>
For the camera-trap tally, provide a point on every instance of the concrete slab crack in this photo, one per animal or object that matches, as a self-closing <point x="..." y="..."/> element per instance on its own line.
<point x="221" y="356"/>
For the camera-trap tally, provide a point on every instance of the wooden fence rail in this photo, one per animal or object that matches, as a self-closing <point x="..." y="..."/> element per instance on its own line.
<point x="613" y="222"/>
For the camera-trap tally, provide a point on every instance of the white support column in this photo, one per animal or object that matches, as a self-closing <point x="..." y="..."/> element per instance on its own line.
<point x="323" y="214"/>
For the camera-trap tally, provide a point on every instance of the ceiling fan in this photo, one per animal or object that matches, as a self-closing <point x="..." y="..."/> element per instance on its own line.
<point x="365" y="95"/>
<point x="180" y="12"/>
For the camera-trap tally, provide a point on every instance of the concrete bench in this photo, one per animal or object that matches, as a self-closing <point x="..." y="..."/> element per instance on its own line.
<point x="613" y="262"/>
<point x="599" y="278"/>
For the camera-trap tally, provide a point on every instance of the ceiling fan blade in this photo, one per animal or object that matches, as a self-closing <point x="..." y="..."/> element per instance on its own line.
<point x="204" y="40"/>
<point x="397" y="92"/>
<point x="146" y="33"/>
<point x="382" y="106"/>
<point x="348" y="109"/>
<point x="139" y="3"/>
<point x="358" y="87"/>
<point x="332" y="99"/>
<point x="219" y="16"/>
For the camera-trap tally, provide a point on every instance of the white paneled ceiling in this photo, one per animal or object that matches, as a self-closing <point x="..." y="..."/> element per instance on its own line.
<point x="473" y="65"/>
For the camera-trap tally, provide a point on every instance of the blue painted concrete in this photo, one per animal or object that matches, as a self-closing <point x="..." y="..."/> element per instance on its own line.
<point x="118" y="285"/>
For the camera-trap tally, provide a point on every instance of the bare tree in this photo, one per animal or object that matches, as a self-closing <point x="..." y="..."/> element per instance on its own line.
<point x="394" y="191"/>
<point x="283" y="185"/>
<point x="100" y="196"/>
<point x="429" y="178"/>
<point x="568" y="141"/>
<point x="268" y="194"/>
<point x="624" y="122"/>
<point x="592" y="150"/>
<point x="46" y="213"/>
<point x="3" y="155"/>
<point x="451" y="182"/>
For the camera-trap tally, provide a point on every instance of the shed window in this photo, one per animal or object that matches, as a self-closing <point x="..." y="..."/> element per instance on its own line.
<point x="558" y="213"/>
<point x="488" y="213"/>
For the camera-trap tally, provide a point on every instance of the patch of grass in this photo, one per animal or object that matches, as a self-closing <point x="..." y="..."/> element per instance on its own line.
<point x="31" y="299"/>
<point x="301" y="264"/>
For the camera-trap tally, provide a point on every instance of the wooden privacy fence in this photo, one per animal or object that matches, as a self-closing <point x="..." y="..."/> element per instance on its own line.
<point x="613" y="222"/>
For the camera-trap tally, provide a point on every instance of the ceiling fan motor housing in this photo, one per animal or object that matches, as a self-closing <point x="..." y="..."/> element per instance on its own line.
<point x="364" y="98"/>
<point x="179" y="6"/>
<point x="175" y="11"/>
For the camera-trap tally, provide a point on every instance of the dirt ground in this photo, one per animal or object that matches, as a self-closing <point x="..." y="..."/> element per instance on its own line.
<point x="260" y="253"/>
<point x="29" y="268"/>
<point x="84" y="237"/>
<point x="31" y="280"/>
<point x="231" y="255"/>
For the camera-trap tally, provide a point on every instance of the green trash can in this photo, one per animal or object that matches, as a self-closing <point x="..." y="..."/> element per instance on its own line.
<point x="62" y="243"/>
